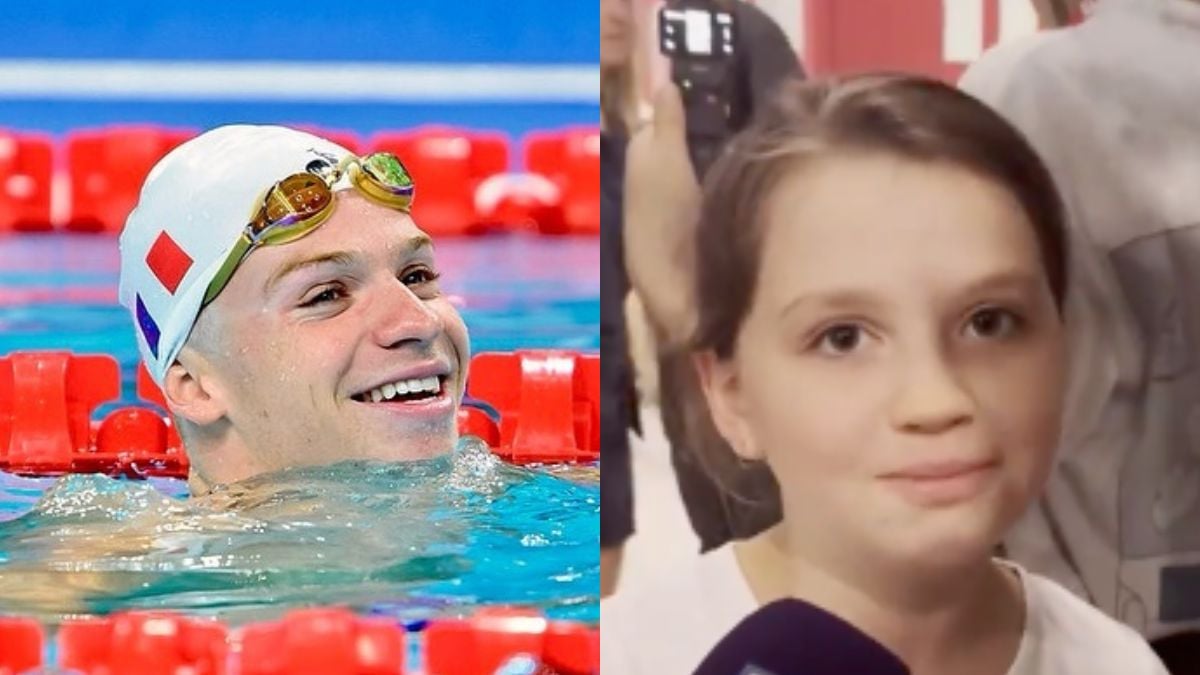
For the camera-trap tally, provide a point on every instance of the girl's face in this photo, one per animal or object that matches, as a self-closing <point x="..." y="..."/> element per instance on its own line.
<point x="615" y="33"/>
<point x="901" y="366"/>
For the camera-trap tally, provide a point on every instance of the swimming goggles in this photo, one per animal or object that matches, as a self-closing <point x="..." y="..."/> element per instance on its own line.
<point x="298" y="204"/>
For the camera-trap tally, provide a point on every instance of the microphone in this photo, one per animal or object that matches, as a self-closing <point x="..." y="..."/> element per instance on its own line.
<point x="793" y="637"/>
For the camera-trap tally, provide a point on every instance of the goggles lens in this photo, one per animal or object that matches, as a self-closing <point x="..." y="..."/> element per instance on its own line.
<point x="299" y="203"/>
<point x="290" y="209"/>
<point x="381" y="175"/>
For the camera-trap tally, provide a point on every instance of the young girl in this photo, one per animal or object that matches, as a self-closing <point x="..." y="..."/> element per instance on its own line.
<point x="880" y="270"/>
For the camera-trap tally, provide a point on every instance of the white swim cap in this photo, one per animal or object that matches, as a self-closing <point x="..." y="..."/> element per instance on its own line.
<point x="194" y="205"/>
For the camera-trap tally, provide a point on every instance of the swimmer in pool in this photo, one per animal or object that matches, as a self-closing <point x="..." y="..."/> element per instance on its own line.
<point x="314" y="335"/>
<point x="288" y="306"/>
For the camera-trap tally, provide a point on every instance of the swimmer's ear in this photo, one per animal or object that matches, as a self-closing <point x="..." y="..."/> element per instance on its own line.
<point x="721" y="383"/>
<point x="190" y="393"/>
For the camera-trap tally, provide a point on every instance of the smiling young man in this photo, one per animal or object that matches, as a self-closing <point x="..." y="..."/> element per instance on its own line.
<point x="288" y="306"/>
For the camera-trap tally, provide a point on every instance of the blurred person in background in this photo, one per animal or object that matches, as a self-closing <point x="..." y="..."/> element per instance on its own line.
<point x="1111" y="105"/>
<point x="660" y="211"/>
<point x="618" y="101"/>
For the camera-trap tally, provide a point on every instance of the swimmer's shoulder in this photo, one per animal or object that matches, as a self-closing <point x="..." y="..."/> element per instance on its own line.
<point x="1067" y="636"/>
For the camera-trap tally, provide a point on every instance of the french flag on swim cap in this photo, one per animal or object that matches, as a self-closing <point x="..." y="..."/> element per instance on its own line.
<point x="148" y="326"/>
<point x="793" y="637"/>
<point x="168" y="262"/>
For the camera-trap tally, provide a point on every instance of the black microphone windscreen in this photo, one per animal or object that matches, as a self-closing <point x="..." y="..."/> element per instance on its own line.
<point x="792" y="637"/>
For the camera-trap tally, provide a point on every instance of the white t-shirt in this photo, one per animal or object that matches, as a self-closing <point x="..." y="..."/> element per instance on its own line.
<point x="667" y="628"/>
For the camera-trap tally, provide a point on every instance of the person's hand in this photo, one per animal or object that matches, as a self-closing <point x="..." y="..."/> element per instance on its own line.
<point x="662" y="200"/>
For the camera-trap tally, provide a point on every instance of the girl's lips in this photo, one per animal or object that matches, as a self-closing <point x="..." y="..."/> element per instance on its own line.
<point x="941" y="484"/>
<point x="938" y="470"/>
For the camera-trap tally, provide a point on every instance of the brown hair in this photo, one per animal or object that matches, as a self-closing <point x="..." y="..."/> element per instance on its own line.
<point x="909" y="116"/>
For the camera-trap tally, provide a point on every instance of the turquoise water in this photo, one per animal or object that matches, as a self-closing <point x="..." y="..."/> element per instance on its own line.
<point x="414" y="540"/>
<point x="411" y="541"/>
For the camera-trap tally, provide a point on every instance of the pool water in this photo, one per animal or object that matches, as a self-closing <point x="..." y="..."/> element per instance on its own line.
<point x="408" y="540"/>
<point x="411" y="540"/>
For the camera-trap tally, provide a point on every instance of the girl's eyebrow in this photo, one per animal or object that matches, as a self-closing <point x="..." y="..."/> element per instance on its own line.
<point x="833" y="299"/>
<point x="844" y="299"/>
<point x="1015" y="279"/>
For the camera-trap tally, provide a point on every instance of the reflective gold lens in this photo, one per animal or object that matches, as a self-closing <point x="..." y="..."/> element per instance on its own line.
<point x="290" y="209"/>
<point x="296" y="198"/>
<point x="386" y="168"/>
<point x="382" y="176"/>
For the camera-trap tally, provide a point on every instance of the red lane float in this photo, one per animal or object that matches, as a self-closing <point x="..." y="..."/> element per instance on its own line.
<point x="26" y="163"/>
<point x="520" y="201"/>
<point x="493" y="636"/>
<point x="571" y="159"/>
<point x="475" y="422"/>
<point x="572" y="648"/>
<point x="320" y="641"/>
<point x="46" y="402"/>
<point x="20" y="645"/>
<point x="107" y="168"/>
<point x="548" y="402"/>
<point x="143" y="643"/>
<point x="323" y="642"/>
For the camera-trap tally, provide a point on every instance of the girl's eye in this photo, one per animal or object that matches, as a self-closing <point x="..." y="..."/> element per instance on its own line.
<point x="327" y="295"/>
<point x="840" y="339"/>
<point x="418" y="276"/>
<point x="993" y="323"/>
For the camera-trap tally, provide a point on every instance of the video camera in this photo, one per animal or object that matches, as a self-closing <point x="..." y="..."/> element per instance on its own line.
<point x="699" y="37"/>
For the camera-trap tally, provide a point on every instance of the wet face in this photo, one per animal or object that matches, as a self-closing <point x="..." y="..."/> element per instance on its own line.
<point x="340" y="345"/>
<point x="900" y="369"/>
<point x="615" y="33"/>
